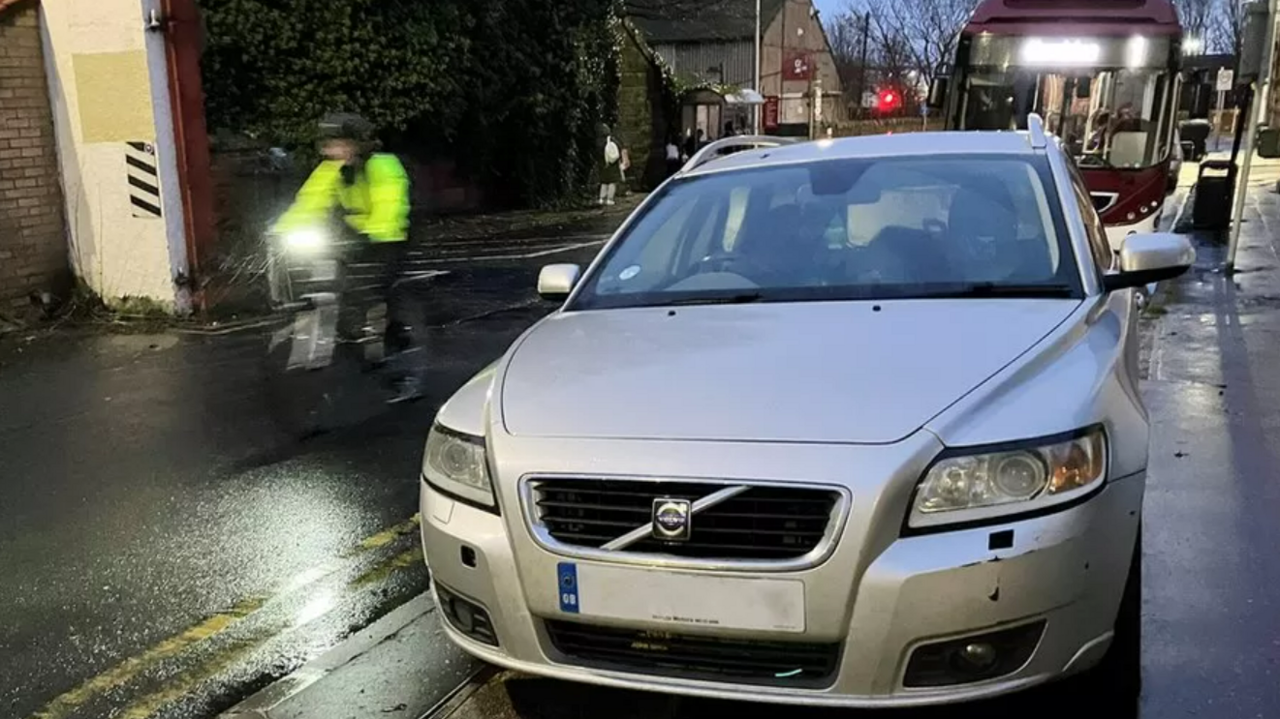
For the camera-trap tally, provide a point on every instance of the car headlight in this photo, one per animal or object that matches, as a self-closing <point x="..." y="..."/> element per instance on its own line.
<point x="988" y="485"/>
<point x="455" y="464"/>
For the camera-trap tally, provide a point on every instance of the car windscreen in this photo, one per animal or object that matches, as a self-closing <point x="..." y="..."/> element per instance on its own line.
<point x="865" y="228"/>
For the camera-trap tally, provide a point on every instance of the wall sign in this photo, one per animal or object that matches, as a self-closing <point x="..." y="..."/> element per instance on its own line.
<point x="144" y="180"/>
<point x="771" y="112"/>
<point x="797" y="66"/>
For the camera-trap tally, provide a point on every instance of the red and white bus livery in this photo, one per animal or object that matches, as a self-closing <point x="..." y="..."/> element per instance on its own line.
<point x="1104" y="74"/>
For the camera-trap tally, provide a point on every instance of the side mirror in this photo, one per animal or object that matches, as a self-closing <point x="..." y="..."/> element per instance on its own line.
<point x="555" y="282"/>
<point x="937" y="93"/>
<point x="1146" y="259"/>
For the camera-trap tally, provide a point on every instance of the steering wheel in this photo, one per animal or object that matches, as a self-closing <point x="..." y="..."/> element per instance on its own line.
<point x="935" y="227"/>
<point x="726" y="262"/>
<point x="1093" y="160"/>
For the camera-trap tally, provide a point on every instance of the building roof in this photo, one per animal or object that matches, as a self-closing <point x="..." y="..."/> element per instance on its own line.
<point x="674" y="21"/>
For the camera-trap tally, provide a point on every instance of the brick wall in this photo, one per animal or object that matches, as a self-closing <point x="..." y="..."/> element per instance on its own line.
<point x="33" y="245"/>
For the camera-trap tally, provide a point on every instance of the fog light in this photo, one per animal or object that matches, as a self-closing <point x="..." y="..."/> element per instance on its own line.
<point x="466" y="616"/>
<point x="974" y="658"/>
<point x="465" y="619"/>
<point x="978" y="656"/>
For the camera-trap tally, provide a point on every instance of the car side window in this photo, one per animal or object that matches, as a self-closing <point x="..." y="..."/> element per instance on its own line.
<point x="1095" y="231"/>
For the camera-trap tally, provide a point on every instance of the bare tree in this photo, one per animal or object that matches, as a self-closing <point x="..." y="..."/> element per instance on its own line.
<point x="927" y="30"/>
<point x="891" y="57"/>
<point x="1225" y="27"/>
<point x="1198" y="18"/>
<point x="848" y="32"/>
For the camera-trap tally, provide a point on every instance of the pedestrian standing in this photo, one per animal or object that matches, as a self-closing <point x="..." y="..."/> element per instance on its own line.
<point x="610" y="170"/>
<point x="674" y="162"/>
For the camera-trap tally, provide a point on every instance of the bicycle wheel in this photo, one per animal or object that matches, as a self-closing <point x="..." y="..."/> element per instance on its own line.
<point x="311" y="393"/>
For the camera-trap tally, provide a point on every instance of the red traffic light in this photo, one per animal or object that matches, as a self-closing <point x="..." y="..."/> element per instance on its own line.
<point x="888" y="100"/>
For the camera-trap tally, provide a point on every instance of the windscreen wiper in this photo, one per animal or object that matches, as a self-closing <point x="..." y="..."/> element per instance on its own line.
<point x="743" y="298"/>
<point x="999" y="290"/>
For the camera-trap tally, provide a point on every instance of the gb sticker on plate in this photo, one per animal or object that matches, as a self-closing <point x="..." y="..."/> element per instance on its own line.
<point x="567" y="579"/>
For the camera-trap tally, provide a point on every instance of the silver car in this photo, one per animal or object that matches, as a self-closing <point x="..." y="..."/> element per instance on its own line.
<point x="849" y="422"/>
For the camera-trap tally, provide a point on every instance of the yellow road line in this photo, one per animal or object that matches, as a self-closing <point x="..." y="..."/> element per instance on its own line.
<point x="122" y="673"/>
<point x="189" y="680"/>
<point x="389" y="535"/>
<point x="385" y="569"/>
<point x="185" y="683"/>
<point x="65" y="704"/>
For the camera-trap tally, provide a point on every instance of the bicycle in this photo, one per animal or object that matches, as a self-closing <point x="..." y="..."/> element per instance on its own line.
<point x="326" y="357"/>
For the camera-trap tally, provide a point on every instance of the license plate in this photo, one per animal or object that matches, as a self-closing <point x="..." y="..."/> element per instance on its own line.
<point x="681" y="598"/>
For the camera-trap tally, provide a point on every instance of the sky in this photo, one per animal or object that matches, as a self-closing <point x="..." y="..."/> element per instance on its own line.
<point x="829" y="8"/>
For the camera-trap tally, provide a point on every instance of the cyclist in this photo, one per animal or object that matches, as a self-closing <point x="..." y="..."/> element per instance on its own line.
<point x="370" y="190"/>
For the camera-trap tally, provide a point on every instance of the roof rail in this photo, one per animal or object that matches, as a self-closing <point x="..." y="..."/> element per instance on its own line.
<point x="729" y="145"/>
<point x="1035" y="130"/>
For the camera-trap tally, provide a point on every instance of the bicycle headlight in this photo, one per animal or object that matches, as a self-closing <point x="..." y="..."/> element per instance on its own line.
<point x="988" y="485"/>
<point x="304" y="240"/>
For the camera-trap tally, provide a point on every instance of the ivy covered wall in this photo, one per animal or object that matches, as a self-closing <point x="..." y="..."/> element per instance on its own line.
<point x="511" y="91"/>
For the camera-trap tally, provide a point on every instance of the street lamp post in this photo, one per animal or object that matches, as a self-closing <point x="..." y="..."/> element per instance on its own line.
<point x="755" y="116"/>
<point x="1263" y="100"/>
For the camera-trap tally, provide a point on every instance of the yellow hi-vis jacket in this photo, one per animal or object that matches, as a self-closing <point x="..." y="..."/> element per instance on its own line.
<point x="375" y="205"/>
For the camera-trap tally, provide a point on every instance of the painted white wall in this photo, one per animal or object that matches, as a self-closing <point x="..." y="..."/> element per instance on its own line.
<point x="116" y="254"/>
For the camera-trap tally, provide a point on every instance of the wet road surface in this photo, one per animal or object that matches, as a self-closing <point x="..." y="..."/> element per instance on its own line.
<point x="166" y="545"/>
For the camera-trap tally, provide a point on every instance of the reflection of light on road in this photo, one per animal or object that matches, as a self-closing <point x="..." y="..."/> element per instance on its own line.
<point x="311" y="575"/>
<point x="316" y="607"/>
<point x="1197" y="495"/>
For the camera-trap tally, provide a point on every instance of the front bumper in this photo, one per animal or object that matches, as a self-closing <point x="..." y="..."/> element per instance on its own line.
<point x="1065" y="569"/>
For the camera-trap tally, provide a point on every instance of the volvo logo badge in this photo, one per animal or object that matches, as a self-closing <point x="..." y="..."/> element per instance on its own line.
<point x="672" y="519"/>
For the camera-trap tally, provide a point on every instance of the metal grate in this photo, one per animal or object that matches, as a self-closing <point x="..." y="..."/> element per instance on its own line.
<point x="762" y="523"/>
<point x="800" y="664"/>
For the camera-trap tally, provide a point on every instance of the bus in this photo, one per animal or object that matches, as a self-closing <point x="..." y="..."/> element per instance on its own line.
<point x="1104" y="75"/>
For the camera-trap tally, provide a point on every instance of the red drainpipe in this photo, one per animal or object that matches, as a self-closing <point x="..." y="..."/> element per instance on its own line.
<point x="184" y="38"/>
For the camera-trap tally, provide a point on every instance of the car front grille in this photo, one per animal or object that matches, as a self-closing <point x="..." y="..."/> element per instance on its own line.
<point x="771" y="523"/>
<point x="799" y="664"/>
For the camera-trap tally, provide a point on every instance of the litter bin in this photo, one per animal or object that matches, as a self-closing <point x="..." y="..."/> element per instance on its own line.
<point x="1197" y="133"/>
<point x="1269" y="142"/>
<point x="1214" y="191"/>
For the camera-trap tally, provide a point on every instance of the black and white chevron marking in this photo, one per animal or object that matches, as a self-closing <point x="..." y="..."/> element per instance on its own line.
<point x="144" y="179"/>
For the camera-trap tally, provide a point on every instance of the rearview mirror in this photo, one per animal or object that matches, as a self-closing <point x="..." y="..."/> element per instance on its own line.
<point x="1150" y="258"/>
<point x="555" y="282"/>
